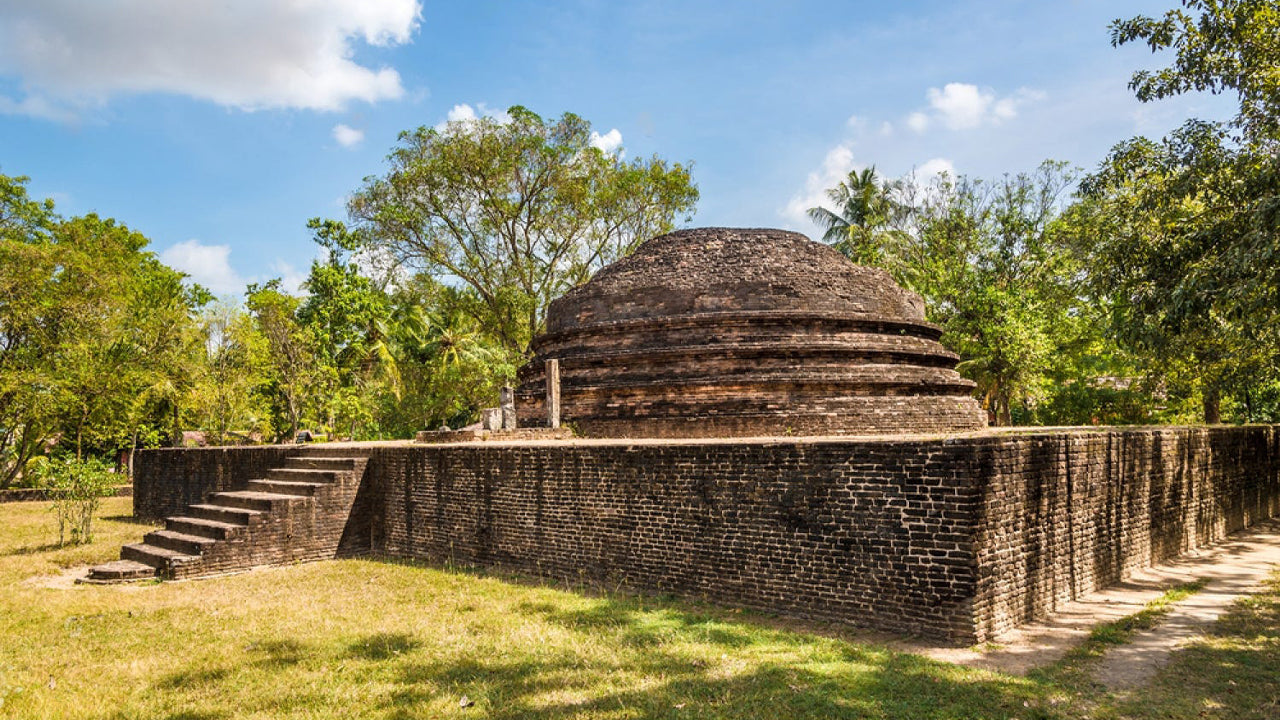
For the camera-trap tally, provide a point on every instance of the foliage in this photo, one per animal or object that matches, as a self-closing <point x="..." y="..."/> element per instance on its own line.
<point x="865" y="209"/>
<point x="228" y="399"/>
<point x="450" y="367"/>
<point x="291" y="377"/>
<point x="517" y="209"/>
<point x="992" y="265"/>
<point x="95" y="348"/>
<point x="76" y="488"/>
<point x="1220" y="45"/>
<point x="1191" y="253"/>
<point x="347" y="316"/>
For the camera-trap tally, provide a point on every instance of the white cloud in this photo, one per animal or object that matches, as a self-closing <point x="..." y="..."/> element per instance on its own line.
<point x="291" y="278"/>
<point x="962" y="106"/>
<point x="465" y="113"/>
<point x="886" y="128"/>
<point x="933" y="168"/>
<point x="347" y="136"/>
<point x="608" y="142"/>
<point x="461" y="113"/>
<point x="208" y="265"/>
<point x="835" y="167"/>
<point x="918" y="121"/>
<point x="247" y="54"/>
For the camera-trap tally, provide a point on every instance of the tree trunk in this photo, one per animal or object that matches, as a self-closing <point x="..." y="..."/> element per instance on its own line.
<point x="133" y="450"/>
<point x="1212" y="397"/>
<point x="176" y="441"/>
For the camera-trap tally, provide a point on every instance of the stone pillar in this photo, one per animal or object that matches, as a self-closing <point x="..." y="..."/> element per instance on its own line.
<point x="507" y="401"/>
<point x="553" y="394"/>
<point x="491" y="418"/>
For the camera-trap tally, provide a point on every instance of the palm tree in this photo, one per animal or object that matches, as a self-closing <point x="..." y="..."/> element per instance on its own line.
<point x="864" y="207"/>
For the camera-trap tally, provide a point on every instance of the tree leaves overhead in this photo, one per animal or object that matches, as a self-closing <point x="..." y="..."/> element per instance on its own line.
<point x="1192" y="257"/>
<point x="517" y="209"/>
<point x="1219" y="46"/>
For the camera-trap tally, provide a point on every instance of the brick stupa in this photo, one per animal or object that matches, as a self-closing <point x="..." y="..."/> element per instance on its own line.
<point x="721" y="332"/>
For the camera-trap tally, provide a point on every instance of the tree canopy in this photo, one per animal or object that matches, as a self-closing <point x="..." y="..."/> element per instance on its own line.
<point x="1191" y="252"/>
<point x="517" y="209"/>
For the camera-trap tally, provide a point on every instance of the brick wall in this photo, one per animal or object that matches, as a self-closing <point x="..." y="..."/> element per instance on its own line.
<point x="958" y="537"/>
<point x="879" y="531"/>
<point x="166" y="480"/>
<point x="1066" y="513"/>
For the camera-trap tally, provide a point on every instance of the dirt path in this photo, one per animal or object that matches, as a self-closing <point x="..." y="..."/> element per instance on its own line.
<point x="1235" y="567"/>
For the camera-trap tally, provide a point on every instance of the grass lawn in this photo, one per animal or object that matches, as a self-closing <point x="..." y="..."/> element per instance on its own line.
<point x="377" y="639"/>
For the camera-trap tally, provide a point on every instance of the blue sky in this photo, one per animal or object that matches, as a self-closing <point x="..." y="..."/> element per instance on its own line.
<point x="218" y="128"/>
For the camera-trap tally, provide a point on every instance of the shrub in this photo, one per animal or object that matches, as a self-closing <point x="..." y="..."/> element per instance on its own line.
<point x="75" y="487"/>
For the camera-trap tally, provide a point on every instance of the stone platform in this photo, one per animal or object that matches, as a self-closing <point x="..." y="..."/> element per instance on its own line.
<point x="957" y="537"/>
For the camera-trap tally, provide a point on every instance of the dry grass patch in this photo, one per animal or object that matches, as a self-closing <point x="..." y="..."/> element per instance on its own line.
<point x="376" y="639"/>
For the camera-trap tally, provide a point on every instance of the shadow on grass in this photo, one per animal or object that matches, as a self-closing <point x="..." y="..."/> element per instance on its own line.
<point x="185" y="679"/>
<point x="1233" y="672"/>
<point x="900" y="686"/>
<point x="668" y="659"/>
<point x="279" y="653"/>
<point x="34" y="549"/>
<point x="382" y="646"/>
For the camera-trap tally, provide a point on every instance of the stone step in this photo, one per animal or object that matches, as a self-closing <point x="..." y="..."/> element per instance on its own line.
<point x="180" y="542"/>
<point x="223" y="514"/>
<point x="312" y="462"/>
<point x="157" y="557"/>
<point x="215" y="529"/>
<point x="303" y="475"/>
<point x="287" y="487"/>
<point x="250" y="500"/>
<point x="121" y="571"/>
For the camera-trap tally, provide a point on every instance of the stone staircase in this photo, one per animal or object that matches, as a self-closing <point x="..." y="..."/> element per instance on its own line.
<point x="296" y="513"/>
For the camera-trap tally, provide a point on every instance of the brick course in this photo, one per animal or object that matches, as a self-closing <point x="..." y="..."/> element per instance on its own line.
<point x="956" y="537"/>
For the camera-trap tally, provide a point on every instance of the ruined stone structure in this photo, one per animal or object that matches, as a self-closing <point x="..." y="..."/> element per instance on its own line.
<point x="723" y="332"/>
<point x="959" y="537"/>
<point x="280" y="507"/>
<point x="953" y="532"/>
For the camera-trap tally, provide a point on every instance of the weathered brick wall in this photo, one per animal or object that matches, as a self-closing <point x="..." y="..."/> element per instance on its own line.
<point x="1066" y="513"/>
<point x="166" y="480"/>
<point x="878" y="532"/>
<point x="959" y="537"/>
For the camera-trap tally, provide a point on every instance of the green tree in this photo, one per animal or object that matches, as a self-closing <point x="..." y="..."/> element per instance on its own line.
<point x="347" y="315"/>
<point x="994" y="271"/>
<point x="76" y="488"/>
<point x="1220" y="46"/>
<point x="517" y="209"/>
<point x="291" y="375"/>
<point x="27" y="332"/>
<point x="227" y="395"/>
<point x="126" y="334"/>
<point x="1191" y="255"/>
<point x="94" y="333"/>
<point x="865" y="209"/>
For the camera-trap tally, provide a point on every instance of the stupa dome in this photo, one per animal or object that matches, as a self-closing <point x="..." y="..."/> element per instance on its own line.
<point x="733" y="332"/>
